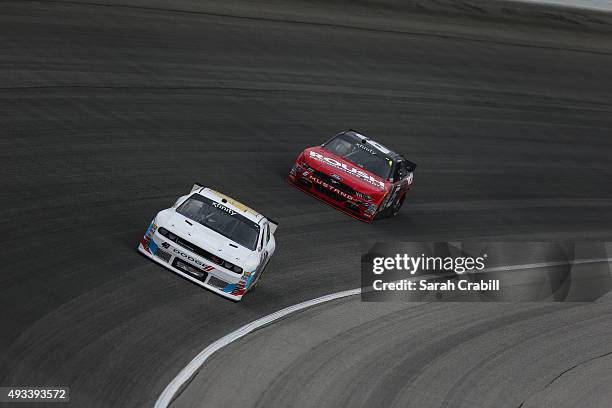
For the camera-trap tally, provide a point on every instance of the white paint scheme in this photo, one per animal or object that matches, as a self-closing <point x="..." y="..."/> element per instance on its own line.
<point x="253" y="262"/>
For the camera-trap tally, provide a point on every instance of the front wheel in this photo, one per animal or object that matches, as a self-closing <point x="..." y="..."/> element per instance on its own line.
<point x="395" y="208"/>
<point x="258" y="278"/>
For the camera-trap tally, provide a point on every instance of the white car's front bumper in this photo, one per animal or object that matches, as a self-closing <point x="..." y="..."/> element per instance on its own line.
<point x="208" y="277"/>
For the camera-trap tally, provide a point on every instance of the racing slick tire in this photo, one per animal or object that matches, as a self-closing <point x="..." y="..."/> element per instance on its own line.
<point x="393" y="210"/>
<point x="258" y="279"/>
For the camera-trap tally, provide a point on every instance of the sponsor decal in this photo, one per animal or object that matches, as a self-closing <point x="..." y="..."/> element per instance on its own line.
<point x="335" y="176"/>
<point x="330" y="187"/>
<point x="152" y="246"/>
<point x="166" y="245"/>
<point x="240" y="288"/>
<point x="224" y="208"/>
<point x="183" y="255"/>
<point x="147" y="237"/>
<point x="236" y="204"/>
<point x="229" y="288"/>
<point x="364" y="147"/>
<point x="145" y="244"/>
<point x="348" y="169"/>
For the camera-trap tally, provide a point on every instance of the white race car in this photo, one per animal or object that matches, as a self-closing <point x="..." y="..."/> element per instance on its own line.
<point x="212" y="240"/>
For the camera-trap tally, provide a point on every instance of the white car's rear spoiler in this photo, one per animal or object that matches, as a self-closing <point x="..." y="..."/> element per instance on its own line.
<point x="273" y="225"/>
<point x="196" y="186"/>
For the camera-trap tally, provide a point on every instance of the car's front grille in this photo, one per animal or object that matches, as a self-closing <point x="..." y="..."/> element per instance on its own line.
<point x="352" y="207"/>
<point x="196" y="249"/>
<point x="216" y="282"/>
<point x="305" y="182"/>
<point x="190" y="269"/>
<point x="329" y="193"/>
<point x="163" y="255"/>
<point x="333" y="182"/>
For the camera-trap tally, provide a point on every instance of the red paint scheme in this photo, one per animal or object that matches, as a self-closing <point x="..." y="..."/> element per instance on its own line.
<point x="145" y="244"/>
<point x="334" y="180"/>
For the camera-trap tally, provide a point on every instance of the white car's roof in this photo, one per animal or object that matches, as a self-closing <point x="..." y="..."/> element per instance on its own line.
<point x="230" y="203"/>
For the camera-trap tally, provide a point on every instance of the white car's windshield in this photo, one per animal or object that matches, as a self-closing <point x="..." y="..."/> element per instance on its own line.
<point x="221" y="219"/>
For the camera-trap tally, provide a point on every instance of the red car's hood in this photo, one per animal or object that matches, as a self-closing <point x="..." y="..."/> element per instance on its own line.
<point x="345" y="171"/>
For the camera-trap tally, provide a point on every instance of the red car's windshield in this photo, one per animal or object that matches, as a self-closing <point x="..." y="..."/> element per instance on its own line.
<point x="349" y="146"/>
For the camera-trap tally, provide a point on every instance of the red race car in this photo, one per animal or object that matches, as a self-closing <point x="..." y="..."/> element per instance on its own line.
<point x="355" y="174"/>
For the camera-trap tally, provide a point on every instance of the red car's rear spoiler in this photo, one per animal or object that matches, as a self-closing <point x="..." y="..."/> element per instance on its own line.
<point x="410" y="166"/>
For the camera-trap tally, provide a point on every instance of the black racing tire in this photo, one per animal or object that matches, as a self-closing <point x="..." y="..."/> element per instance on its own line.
<point x="395" y="208"/>
<point x="258" y="279"/>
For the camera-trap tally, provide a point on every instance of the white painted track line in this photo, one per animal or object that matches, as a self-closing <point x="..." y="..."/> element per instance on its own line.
<point x="186" y="373"/>
<point x="601" y="5"/>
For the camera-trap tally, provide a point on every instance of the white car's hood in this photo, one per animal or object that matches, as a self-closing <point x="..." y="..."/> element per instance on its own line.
<point x="206" y="238"/>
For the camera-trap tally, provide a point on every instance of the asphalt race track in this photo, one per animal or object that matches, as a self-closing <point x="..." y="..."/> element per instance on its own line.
<point x="111" y="110"/>
<point x="417" y="355"/>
